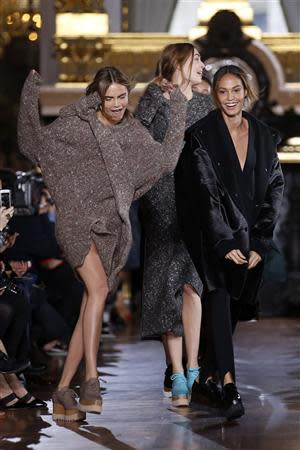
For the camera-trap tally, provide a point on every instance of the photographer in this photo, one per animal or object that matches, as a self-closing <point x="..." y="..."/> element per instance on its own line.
<point x="14" y="318"/>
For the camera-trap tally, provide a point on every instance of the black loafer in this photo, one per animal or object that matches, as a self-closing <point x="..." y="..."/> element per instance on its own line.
<point x="232" y="402"/>
<point x="209" y="392"/>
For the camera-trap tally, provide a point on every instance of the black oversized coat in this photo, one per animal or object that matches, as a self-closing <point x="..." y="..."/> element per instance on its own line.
<point x="209" y="207"/>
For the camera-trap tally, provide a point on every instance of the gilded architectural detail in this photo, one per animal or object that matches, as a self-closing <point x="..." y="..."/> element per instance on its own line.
<point x="79" y="6"/>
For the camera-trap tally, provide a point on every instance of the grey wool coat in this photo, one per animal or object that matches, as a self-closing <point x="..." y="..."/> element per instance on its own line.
<point x="167" y="264"/>
<point x="95" y="172"/>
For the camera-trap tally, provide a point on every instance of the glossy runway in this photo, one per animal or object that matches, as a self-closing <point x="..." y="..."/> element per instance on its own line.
<point x="136" y="416"/>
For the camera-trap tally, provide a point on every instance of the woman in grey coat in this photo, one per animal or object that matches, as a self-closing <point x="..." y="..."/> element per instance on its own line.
<point x="171" y="286"/>
<point x="96" y="159"/>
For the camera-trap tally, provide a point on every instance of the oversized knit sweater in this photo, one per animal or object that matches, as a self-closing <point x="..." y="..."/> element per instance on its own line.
<point x="95" y="172"/>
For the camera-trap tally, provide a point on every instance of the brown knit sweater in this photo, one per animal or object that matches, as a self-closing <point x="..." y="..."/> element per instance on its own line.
<point x="95" y="172"/>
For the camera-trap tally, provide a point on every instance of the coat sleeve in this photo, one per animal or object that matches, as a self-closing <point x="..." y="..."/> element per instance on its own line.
<point x="29" y="126"/>
<point x="262" y="231"/>
<point x="204" y="195"/>
<point x="157" y="159"/>
<point x="149" y="104"/>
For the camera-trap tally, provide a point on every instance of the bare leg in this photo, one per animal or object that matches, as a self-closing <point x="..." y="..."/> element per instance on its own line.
<point x="191" y="317"/>
<point x="75" y="351"/>
<point x="6" y="390"/>
<point x="174" y="344"/>
<point x="15" y="385"/>
<point x="85" y="338"/>
<point x="95" y="280"/>
<point x="228" y="378"/>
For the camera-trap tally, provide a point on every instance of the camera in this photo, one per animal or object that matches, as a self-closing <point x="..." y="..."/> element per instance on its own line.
<point x="22" y="189"/>
<point x="5" y="282"/>
<point x="5" y="198"/>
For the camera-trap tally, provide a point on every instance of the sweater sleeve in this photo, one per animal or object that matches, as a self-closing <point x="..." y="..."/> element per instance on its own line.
<point x="29" y="126"/>
<point x="203" y="189"/>
<point x="149" y="104"/>
<point x="157" y="159"/>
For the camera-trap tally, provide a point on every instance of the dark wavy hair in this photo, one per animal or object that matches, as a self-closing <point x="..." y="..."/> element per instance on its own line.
<point x="105" y="77"/>
<point x="232" y="69"/>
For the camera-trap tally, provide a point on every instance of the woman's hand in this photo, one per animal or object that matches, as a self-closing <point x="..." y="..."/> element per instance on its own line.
<point x="237" y="257"/>
<point x="254" y="259"/>
<point x="167" y="88"/>
<point x="5" y="216"/>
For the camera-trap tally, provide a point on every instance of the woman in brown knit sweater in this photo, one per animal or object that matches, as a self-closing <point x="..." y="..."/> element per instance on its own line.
<point x="96" y="159"/>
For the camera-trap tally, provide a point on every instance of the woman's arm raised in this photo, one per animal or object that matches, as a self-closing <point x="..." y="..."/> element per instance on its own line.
<point x="29" y="126"/>
<point x="149" y="104"/>
<point x="157" y="159"/>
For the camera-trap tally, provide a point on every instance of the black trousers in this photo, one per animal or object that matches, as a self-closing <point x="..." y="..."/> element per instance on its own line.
<point x="220" y="317"/>
<point x="14" y="322"/>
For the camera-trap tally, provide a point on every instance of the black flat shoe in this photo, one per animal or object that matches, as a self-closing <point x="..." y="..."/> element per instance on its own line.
<point x="4" y="402"/>
<point x="232" y="402"/>
<point x="209" y="392"/>
<point x="29" y="401"/>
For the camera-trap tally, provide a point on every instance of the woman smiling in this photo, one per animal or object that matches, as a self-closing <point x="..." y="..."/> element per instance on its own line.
<point x="229" y="187"/>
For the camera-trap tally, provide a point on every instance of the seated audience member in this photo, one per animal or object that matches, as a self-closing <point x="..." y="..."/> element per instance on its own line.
<point x="14" y="317"/>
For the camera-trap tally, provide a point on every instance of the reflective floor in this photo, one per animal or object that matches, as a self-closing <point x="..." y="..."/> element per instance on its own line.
<point x="136" y="416"/>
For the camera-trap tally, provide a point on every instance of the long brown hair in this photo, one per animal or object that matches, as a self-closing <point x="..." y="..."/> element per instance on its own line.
<point x="105" y="77"/>
<point x="251" y="96"/>
<point x="172" y="56"/>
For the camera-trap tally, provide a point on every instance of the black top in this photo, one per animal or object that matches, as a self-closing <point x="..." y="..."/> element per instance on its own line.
<point x="245" y="178"/>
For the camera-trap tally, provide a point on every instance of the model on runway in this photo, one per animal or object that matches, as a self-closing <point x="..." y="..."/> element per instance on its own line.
<point x="96" y="159"/>
<point x="229" y="187"/>
<point x="171" y="305"/>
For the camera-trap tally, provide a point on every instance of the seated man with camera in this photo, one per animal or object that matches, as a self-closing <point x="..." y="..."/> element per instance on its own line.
<point x="14" y="320"/>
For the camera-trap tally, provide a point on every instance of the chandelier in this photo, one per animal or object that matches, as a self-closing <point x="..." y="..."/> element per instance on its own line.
<point x="19" y="18"/>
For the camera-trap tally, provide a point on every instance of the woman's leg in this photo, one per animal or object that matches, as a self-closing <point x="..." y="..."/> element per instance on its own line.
<point x="75" y="351"/>
<point x="95" y="280"/>
<point x="6" y="393"/>
<point x="191" y="317"/>
<point x="85" y="338"/>
<point x="174" y="345"/>
<point x="219" y="316"/>
<point x="180" y="392"/>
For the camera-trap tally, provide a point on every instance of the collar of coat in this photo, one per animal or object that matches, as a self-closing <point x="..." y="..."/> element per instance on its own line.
<point x="213" y="135"/>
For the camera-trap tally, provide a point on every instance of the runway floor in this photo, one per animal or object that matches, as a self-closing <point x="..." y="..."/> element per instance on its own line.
<point x="137" y="417"/>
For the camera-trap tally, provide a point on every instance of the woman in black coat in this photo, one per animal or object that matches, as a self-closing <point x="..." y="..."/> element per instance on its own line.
<point x="229" y="188"/>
